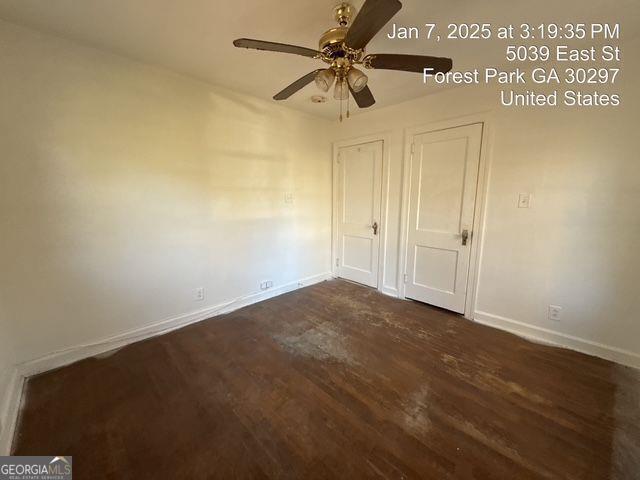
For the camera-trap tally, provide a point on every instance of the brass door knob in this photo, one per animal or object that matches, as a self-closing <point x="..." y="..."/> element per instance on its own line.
<point x="465" y="236"/>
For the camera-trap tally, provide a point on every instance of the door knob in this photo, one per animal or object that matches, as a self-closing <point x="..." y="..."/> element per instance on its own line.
<point x="375" y="228"/>
<point x="465" y="236"/>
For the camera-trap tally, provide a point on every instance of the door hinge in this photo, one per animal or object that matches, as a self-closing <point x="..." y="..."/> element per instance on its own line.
<point x="337" y="262"/>
<point x="406" y="278"/>
<point x="413" y="148"/>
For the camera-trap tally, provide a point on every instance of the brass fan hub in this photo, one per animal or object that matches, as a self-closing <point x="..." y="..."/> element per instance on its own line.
<point x="332" y="39"/>
<point x="331" y="42"/>
<point x="341" y="66"/>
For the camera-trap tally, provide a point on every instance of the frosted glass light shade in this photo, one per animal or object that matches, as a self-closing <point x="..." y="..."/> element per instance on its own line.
<point x="324" y="79"/>
<point x="357" y="79"/>
<point x="341" y="91"/>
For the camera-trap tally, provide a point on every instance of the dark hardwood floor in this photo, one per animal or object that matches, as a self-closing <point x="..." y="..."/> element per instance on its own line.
<point x="337" y="381"/>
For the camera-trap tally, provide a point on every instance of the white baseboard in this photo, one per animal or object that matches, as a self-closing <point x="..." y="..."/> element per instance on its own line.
<point x="9" y="408"/>
<point x="618" y="355"/>
<point x="73" y="354"/>
<point x="391" y="291"/>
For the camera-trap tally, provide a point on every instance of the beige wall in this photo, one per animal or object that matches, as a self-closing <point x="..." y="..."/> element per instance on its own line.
<point x="124" y="187"/>
<point x="577" y="246"/>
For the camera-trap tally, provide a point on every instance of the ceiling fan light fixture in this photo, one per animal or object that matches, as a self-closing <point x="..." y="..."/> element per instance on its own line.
<point x="324" y="79"/>
<point x="357" y="80"/>
<point x="341" y="92"/>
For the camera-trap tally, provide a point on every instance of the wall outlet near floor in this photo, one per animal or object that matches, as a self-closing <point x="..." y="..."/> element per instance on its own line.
<point x="524" y="200"/>
<point x="266" y="284"/>
<point x="555" y="312"/>
<point x="200" y="293"/>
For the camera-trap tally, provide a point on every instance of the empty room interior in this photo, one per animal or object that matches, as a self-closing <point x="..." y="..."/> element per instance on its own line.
<point x="311" y="239"/>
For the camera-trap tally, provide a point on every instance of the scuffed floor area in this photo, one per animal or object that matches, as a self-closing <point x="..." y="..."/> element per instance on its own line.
<point x="337" y="381"/>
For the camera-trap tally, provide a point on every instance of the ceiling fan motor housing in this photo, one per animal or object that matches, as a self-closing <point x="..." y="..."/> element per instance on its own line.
<point x="331" y="40"/>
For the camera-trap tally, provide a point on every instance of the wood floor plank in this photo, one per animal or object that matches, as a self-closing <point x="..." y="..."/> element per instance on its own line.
<point x="337" y="381"/>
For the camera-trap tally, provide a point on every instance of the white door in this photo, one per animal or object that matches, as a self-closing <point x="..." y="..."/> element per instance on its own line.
<point x="443" y="182"/>
<point x="359" y="187"/>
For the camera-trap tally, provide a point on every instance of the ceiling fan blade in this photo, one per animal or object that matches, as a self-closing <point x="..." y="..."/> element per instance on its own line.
<point x="364" y="98"/>
<point x="408" y="63"/>
<point x="275" y="47"/>
<point x="373" y="15"/>
<point x="297" y="85"/>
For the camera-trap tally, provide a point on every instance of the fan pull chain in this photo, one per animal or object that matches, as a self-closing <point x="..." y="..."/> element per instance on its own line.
<point x="341" y="86"/>
<point x="348" y="99"/>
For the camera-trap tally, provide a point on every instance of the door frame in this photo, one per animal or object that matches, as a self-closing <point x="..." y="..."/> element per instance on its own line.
<point x="384" y="201"/>
<point x="475" y="255"/>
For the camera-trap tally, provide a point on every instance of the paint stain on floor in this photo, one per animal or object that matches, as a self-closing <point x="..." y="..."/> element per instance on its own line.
<point x="319" y="342"/>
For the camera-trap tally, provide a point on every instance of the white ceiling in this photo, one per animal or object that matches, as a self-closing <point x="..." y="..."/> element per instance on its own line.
<point x="195" y="37"/>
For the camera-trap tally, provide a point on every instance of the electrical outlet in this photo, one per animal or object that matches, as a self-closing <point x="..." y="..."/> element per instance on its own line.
<point x="288" y="197"/>
<point x="555" y="312"/>
<point x="267" y="284"/>
<point x="200" y="293"/>
<point x="524" y="200"/>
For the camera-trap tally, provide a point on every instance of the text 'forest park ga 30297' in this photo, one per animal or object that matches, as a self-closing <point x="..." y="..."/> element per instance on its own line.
<point x="544" y="65"/>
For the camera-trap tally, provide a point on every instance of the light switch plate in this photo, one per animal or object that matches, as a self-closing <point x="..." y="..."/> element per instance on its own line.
<point x="524" y="200"/>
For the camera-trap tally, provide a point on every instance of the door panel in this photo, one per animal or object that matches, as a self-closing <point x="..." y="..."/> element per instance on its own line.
<point x="439" y="196"/>
<point x="436" y="268"/>
<point x="359" y="179"/>
<point x="443" y="182"/>
<point x="359" y="198"/>
<point x="357" y="253"/>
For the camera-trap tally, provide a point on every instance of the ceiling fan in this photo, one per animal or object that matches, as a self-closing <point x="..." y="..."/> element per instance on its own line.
<point x="343" y="47"/>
